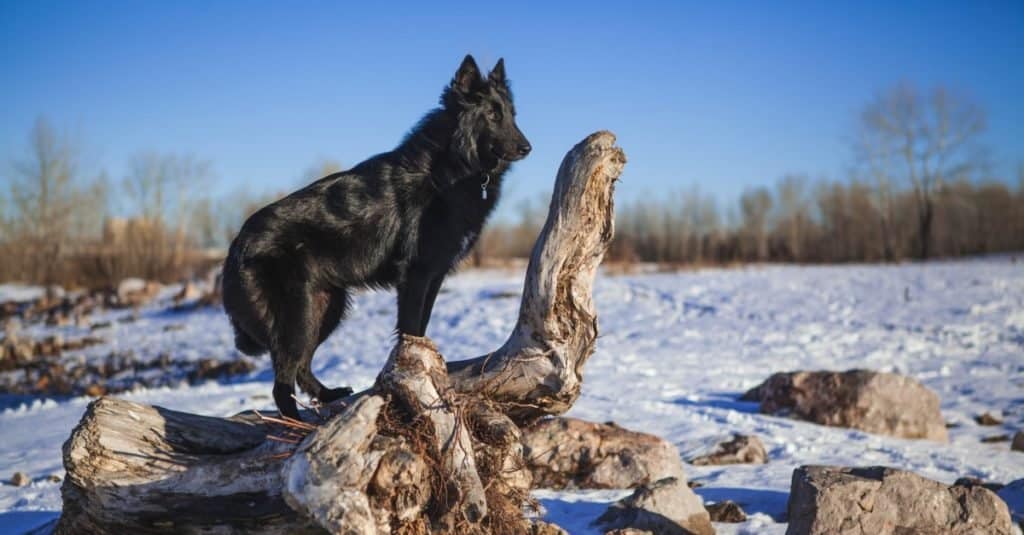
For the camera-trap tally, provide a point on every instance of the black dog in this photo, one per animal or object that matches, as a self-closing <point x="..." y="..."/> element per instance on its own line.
<point x="402" y="218"/>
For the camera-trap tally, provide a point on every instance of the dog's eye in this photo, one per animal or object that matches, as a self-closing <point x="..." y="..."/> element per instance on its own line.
<point x="494" y="115"/>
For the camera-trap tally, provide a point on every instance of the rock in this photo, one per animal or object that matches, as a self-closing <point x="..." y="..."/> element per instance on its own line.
<point x="995" y="438"/>
<point x="666" y="506"/>
<point x="740" y="449"/>
<point x="94" y="390"/>
<point x="1018" y="441"/>
<point x="58" y="319"/>
<point x="214" y="369"/>
<point x="134" y="292"/>
<point x="876" y="402"/>
<point x="54" y="478"/>
<point x="879" y="500"/>
<point x="728" y="511"/>
<point x="570" y="453"/>
<point x="189" y="292"/>
<point x="988" y="419"/>
<point x="629" y="531"/>
<point x="54" y="292"/>
<point x="20" y="479"/>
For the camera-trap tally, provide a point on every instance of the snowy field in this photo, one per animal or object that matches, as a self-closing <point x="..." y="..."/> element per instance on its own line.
<point x="675" y="352"/>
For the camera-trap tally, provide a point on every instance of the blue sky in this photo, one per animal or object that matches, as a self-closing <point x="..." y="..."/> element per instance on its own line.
<point x="721" y="96"/>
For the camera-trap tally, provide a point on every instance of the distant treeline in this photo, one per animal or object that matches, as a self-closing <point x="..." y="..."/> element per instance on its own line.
<point x="60" y="224"/>
<point x="801" y="221"/>
<point x="919" y="187"/>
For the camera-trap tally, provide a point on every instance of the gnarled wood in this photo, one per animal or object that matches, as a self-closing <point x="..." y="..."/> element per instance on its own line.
<point x="538" y="370"/>
<point x="133" y="468"/>
<point x="425" y="450"/>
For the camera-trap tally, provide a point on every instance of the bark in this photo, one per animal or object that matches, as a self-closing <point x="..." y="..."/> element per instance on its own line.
<point x="429" y="449"/>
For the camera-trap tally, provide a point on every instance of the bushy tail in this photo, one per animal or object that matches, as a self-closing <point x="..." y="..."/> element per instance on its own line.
<point x="247" y="344"/>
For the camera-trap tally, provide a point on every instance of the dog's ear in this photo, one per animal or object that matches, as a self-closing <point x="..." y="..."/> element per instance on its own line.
<point x="497" y="76"/>
<point x="467" y="77"/>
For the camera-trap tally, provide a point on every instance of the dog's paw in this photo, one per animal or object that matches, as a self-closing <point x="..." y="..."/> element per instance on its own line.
<point x="332" y="394"/>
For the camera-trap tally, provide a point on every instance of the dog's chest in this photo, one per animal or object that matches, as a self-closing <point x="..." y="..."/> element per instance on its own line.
<point x="450" y="229"/>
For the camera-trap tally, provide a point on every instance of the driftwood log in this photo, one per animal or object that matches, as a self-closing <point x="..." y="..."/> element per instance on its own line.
<point x="430" y="448"/>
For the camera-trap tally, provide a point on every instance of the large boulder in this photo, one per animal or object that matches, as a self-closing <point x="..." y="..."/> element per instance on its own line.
<point x="665" y="507"/>
<point x="570" y="453"/>
<point x="876" y="402"/>
<point x="879" y="500"/>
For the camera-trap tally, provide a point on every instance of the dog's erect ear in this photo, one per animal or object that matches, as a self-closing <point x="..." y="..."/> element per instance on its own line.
<point x="467" y="76"/>
<point x="497" y="75"/>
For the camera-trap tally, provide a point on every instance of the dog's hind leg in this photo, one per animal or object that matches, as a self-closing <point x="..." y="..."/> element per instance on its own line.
<point x="295" y="330"/>
<point x="335" y="304"/>
<point x="284" y="386"/>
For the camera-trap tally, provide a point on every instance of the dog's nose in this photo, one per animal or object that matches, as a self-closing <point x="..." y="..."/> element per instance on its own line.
<point x="524" y="148"/>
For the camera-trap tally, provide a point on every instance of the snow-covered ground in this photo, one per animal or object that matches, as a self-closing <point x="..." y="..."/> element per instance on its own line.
<point x="676" y="351"/>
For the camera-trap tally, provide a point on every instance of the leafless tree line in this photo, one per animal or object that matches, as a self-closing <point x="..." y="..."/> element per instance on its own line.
<point x="61" y="225"/>
<point x="919" y="188"/>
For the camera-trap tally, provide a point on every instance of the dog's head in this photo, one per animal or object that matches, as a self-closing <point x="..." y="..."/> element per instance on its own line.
<point x="487" y="135"/>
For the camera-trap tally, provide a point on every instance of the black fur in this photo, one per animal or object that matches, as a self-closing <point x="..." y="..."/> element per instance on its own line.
<point x="402" y="218"/>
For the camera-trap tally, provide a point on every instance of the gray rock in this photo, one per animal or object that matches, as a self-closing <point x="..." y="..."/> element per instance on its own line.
<point x="1018" y="441"/>
<point x="879" y="500"/>
<point x="739" y="450"/>
<point x="665" y="507"/>
<point x="20" y="479"/>
<point x="570" y="453"/>
<point x="727" y="511"/>
<point x="988" y="419"/>
<point x="876" y="402"/>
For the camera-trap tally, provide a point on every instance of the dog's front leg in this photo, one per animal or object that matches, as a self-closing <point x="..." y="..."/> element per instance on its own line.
<point x="428" y="301"/>
<point x="412" y="296"/>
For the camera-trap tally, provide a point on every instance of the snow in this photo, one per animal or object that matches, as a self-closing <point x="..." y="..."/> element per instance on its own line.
<point x="676" y="350"/>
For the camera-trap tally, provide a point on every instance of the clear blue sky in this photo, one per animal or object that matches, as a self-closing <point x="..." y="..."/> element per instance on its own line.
<point x="723" y="96"/>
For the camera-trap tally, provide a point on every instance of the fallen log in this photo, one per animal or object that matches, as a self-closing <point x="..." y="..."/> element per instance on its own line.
<point x="430" y="448"/>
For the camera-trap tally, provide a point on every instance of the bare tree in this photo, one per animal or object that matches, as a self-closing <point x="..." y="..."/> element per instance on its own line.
<point x="755" y="205"/>
<point x="924" y="140"/>
<point x="793" y="215"/>
<point x="163" y="189"/>
<point x="49" y="205"/>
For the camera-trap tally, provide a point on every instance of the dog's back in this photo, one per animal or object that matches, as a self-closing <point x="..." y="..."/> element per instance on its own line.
<point x="337" y="232"/>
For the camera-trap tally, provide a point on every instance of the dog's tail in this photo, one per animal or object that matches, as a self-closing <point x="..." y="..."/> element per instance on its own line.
<point x="246" y="343"/>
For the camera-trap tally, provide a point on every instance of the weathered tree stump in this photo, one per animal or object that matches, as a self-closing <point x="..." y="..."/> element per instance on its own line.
<point x="429" y="449"/>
